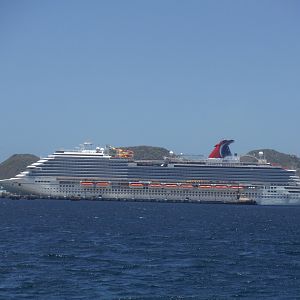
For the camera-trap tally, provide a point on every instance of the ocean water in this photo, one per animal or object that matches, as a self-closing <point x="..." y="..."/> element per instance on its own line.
<point x="114" y="250"/>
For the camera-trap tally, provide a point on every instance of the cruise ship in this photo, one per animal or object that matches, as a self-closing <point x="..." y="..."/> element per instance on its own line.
<point x="113" y="174"/>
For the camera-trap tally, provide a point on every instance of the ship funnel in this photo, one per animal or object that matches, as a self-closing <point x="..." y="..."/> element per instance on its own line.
<point x="221" y="150"/>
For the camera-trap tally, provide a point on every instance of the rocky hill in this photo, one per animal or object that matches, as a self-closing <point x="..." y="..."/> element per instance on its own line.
<point x="16" y="164"/>
<point x="287" y="161"/>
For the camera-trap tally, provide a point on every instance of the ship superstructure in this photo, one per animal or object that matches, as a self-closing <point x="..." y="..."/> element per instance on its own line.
<point x="113" y="173"/>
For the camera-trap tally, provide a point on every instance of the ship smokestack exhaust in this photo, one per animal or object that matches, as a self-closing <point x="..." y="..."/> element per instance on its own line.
<point x="221" y="150"/>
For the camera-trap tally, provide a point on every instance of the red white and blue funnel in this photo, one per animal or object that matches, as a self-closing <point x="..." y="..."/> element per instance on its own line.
<point x="221" y="150"/>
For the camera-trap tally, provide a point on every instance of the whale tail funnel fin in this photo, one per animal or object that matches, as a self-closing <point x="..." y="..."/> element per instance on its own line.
<point x="221" y="150"/>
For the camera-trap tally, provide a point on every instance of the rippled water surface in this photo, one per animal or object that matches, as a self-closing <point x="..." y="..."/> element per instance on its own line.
<point x="103" y="250"/>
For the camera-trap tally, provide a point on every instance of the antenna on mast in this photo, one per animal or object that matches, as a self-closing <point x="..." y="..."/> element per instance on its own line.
<point x="261" y="159"/>
<point x="87" y="145"/>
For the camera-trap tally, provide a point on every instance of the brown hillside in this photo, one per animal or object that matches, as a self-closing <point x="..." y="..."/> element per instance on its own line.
<point x="16" y="164"/>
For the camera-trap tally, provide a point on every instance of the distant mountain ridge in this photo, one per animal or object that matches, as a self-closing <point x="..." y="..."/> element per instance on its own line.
<point x="18" y="162"/>
<point x="274" y="157"/>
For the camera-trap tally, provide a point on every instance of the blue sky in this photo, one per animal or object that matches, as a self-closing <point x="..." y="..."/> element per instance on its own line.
<point x="177" y="74"/>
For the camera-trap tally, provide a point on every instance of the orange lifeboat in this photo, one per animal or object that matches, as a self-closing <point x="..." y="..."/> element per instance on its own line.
<point x="102" y="183"/>
<point x="136" y="185"/>
<point x="171" y="185"/>
<point x="221" y="186"/>
<point x="186" y="186"/>
<point x="87" y="183"/>
<point x="236" y="187"/>
<point x="205" y="186"/>
<point x="155" y="185"/>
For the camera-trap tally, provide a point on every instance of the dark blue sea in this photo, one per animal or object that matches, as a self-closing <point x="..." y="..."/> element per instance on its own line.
<point x="116" y="250"/>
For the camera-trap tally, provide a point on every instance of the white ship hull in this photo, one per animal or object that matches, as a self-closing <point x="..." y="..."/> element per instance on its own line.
<point x="51" y="187"/>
